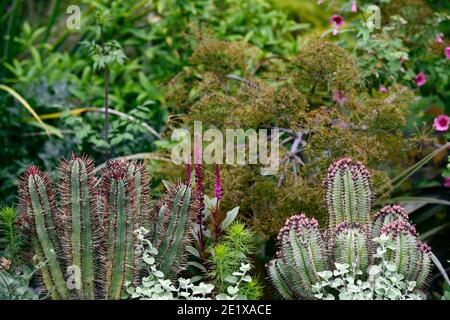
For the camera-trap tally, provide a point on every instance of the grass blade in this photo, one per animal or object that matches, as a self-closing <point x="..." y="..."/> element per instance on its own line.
<point x="26" y="105"/>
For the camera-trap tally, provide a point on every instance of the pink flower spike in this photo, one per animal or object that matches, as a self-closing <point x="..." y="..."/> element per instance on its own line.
<point x="441" y="123"/>
<point x="447" y="182"/>
<point x="447" y="52"/>
<point x="354" y="7"/>
<point x="420" y="79"/>
<point x="383" y="89"/>
<point x="218" y="185"/>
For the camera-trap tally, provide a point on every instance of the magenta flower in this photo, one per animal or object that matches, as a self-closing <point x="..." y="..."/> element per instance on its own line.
<point x="420" y="79"/>
<point x="339" y="97"/>
<point x="354" y="7"/>
<point x="439" y="39"/>
<point x="383" y="89"/>
<point x="447" y="182"/>
<point x="441" y="123"/>
<point x="188" y="173"/>
<point x="218" y="186"/>
<point x="337" y="22"/>
<point x="447" y="52"/>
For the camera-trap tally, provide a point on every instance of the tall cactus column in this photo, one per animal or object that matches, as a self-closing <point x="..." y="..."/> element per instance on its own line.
<point x="120" y="221"/>
<point x="38" y="214"/>
<point x="80" y="221"/>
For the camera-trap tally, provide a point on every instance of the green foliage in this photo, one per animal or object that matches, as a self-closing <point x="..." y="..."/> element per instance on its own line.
<point x="383" y="283"/>
<point x="319" y="101"/>
<point x="154" y="285"/>
<point x="300" y="269"/>
<point x="15" y="285"/>
<point x="89" y="235"/>
<point x="226" y="256"/>
<point x="10" y="240"/>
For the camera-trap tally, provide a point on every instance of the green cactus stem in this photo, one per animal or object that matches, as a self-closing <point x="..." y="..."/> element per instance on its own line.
<point x="348" y="193"/>
<point x="351" y="245"/>
<point x="78" y="204"/>
<point x="38" y="209"/>
<point x="119" y="222"/>
<point x="172" y="219"/>
<point x="302" y="253"/>
<point x="387" y="215"/>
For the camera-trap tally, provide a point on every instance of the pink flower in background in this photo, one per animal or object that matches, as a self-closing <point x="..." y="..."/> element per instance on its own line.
<point x="447" y="182"/>
<point x="383" y="89"/>
<point x="339" y="97"/>
<point x="441" y="123"/>
<point x="336" y="21"/>
<point x="354" y="7"/>
<point x="447" y="52"/>
<point x="421" y="79"/>
<point x="439" y="39"/>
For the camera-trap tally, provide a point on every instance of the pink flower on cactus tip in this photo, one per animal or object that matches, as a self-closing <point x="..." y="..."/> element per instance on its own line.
<point x="447" y="182"/>
<point x="354" y="7"/>
<point x="447" y="52"/>
<point x="336" y="21"/>
<point x="441" y="123"/>
<point x="421" y="79"/>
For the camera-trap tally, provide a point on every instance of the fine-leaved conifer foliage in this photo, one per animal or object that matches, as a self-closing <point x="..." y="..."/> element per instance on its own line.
<point x="319" y="101"/>
<point x="83" y="236"/>
<point x="306" y="252"/>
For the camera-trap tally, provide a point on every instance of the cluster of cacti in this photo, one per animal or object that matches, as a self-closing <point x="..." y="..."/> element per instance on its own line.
<point x="305" y="250"/>
<point x="85" y="239"/>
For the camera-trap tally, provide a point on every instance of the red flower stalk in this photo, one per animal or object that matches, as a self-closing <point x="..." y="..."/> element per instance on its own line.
<point x="218" y="186"/>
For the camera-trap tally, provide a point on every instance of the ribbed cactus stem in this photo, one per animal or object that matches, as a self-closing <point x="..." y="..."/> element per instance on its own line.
<point x="425" y="262"/>
<point x="387" y="215"/>
<point x="303" y="252"/>
<point x="173" y="219"/>
<point x="81" y="222"/>
<point x="37" y="203"/>
<point x="348" y="193"/>
<point x="406" y="254"/>
<point x="351" y="245"/>
<point x="119" y="261"/>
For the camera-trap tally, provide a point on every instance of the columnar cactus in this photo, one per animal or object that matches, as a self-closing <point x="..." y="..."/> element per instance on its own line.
<point x="350" y="244"/>
<point x="348" y="193"/>
<point x="86" y="243"/>
<point x="81" y="225"/>
<point x="172" y="219"/>
<point x="302" y="254"/>
<point x="304" y="250"/>
<point x="40" y="218"/>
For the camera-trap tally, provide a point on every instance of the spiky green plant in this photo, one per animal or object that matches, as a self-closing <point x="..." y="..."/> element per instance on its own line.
<point x="86" y="243"/>
<point x="304" y="250"/>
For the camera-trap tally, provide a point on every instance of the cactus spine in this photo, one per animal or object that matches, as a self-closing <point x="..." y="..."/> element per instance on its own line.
<point x="301" y="256"/>
<point x="172" y="219"/>
<point x="78" y="212"/>
<point x="91" y="231"/>
<point x="37" y="204"/>
<point x="348" y="193"/>
<point x="349" y="236"/>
